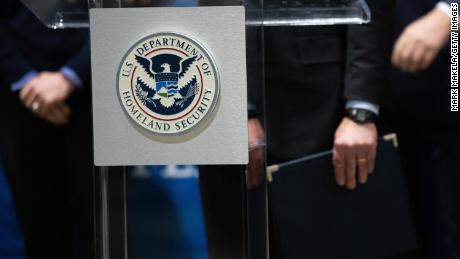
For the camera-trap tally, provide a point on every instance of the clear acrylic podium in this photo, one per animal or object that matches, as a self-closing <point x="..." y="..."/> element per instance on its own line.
<point x="129" y="221"/>
<point x="74" y="14"/>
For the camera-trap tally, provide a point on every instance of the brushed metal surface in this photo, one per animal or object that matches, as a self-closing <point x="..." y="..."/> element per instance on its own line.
<point x="116" y="140"/>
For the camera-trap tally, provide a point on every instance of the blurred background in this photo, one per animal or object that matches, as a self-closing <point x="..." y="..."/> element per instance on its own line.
<point x="165" y="216"/>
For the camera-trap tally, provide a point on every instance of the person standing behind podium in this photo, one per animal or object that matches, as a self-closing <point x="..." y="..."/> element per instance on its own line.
<point x="324" y="87"/>
<point x="428" y="130"/>
<point x="46" y="133"/>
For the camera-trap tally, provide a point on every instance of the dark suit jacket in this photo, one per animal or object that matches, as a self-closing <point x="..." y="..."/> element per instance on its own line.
<point x="310" y="71"/>
<point x="27" y="45"/>
<point x="305" y="91"/>
<point x="49" y="168"/>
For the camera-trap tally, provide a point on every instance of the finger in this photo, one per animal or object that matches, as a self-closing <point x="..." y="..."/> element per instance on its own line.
<point x="54" y="116"/>
<point x="362" y="166"/>
<point x="45" y="108"/>
<point x="338" y="160"/>
<point x="350" y="156"/>
<point x="398" y="50"/>
<point x="422" y="56"/>
<point x="371" y="154"/>
<point x="416" y="58"/>
<point x="31" y="96"/>
<point x="418" y="49"/>
<point x="25" y="91"/>
<point x="55" y="119"/>
<point x="60" y="115"/>
<point x="407" y="56"/>
<point x="62" y="108"/>
<point x="49" y="116"/>
<point x="405" y="49"/>
<point x="36" y="106"/>
<point x="395" y="56"/>
<point x="427" y="58"/>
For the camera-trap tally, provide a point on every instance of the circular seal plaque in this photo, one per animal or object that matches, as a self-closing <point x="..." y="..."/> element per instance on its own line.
<point x="168" y="84"/>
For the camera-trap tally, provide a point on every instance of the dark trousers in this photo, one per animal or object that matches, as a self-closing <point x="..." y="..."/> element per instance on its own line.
<point x="49" y="170"/>
<point x="433" y="175"/>
<point x="448" y="178"/>
<point x="222" y="195"/>
<point x="430" y="149"/>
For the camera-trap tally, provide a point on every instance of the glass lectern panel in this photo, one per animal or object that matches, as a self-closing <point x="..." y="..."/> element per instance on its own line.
<point x="178" y="211"/>
<point x="61" y="14"/>
<point x="74" y="13"/>
<point x="187" y="211"/>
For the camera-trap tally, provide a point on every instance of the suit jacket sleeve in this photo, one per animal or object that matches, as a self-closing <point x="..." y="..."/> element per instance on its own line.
<point x="13" y="65"/>
<point x="368" y="55"/>
<point x="81" y="61"/>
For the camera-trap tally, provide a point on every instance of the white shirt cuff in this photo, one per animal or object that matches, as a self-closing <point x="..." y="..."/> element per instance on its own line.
<point x="355" y="104"/>
<point x="444" y="7"/>
<point x="18" y="85"/>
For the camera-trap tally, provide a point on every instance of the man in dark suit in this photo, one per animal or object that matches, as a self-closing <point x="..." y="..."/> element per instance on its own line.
<point x="324" y="86"/>
<point x="427" y="129"/>
<point x="46" y="133"/>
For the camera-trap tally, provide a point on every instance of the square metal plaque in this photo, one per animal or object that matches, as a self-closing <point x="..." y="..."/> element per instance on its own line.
<point x="169" y="85"/>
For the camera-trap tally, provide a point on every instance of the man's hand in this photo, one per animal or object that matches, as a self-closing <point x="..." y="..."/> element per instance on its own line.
<point x="45" y="95"/>
<point x="255" y="169"/>
<point x="421" y="41"/>
<point x="58" y="115"/>
<point x="354" y="150"/>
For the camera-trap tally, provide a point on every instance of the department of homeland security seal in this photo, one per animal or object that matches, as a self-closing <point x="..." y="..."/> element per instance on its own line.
<point x="168" y="84"/>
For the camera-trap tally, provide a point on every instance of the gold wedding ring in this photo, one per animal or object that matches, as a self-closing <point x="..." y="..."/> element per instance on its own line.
<point x="362" y="160"/>
<point x="35" y="106"/>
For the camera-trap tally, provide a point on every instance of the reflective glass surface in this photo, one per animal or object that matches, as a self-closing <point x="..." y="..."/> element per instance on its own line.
<point x="74" y="13"/>
<point x="201" y="212"/>
<point x="164" y="213"/>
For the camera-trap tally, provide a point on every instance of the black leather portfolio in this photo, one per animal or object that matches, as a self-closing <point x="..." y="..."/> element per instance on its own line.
<point x="314" y="218"/>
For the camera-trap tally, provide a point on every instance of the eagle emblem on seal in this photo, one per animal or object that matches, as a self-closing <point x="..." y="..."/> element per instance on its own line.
<point x="167" y="88"/>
